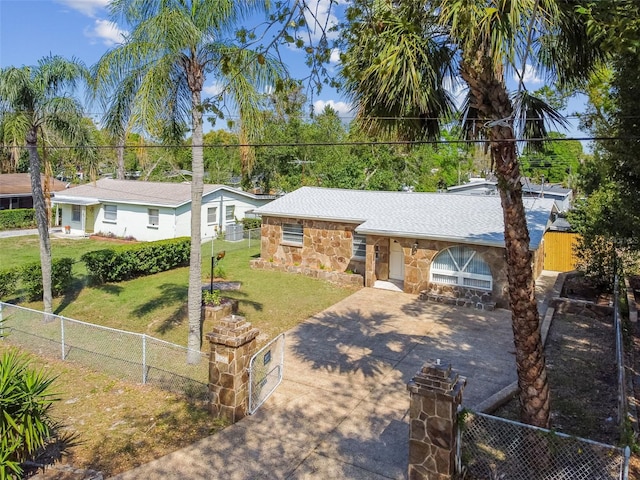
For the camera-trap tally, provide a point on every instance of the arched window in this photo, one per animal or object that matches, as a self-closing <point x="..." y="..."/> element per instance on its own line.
<point x="461" y="266"/>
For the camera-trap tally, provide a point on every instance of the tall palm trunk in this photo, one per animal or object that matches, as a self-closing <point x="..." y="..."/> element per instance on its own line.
<point x="41" y="217"/>
<point x="120" y="154"/>
<point x="493" y="104"/>
<point x="194" y="303"/>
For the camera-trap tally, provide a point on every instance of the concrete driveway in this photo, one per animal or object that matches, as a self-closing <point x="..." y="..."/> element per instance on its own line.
<point x="341" y="411"/>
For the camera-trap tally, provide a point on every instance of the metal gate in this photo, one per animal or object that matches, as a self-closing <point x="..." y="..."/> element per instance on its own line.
<point x="265" y="372"/>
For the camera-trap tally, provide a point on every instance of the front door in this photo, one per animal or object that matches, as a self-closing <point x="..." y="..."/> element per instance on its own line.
<point x="396" y="261"/>
<point x="90" y="219"/>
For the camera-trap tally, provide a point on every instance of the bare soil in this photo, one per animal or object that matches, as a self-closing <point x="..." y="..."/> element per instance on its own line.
<point x="580" y="356"/>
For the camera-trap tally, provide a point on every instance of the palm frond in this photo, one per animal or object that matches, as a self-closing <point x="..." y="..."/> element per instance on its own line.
<point x="534" y="117"/>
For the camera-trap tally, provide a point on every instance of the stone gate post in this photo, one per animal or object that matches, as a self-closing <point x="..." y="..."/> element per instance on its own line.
<point x="233" y="342"/>
<point x="436" y="393"/>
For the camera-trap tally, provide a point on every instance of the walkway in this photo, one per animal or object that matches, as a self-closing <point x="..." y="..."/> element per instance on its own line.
<point x="341" y="411"/>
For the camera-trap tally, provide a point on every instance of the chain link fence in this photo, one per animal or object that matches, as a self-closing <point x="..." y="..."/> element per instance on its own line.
<point x="495" y="448"/>
<point x="130" y="356"/>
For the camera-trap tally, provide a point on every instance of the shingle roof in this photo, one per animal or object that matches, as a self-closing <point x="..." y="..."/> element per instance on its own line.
<point x="20" y="184"/>
<point x="139" y="192"/>
<point x="463" y="218"/>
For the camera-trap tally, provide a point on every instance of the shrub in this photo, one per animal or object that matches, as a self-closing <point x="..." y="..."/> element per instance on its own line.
<point x="61" y="277"/>
<point x="211" y="298"/>
<point x="25" y="423"/>
<point x="128" y="261"/>
<point x="18" y="218"/>
<point x="251" y="223"/>
<point x="8" y="281"/>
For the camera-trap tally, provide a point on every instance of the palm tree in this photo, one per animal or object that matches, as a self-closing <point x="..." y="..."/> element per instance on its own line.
<point x="398" y="55"/>
<point x="35" y="106"/>
<point x="172" y="48"/>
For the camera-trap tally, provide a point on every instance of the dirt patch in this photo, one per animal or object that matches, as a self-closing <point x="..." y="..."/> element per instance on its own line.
<point x="578" y="287"/>
<point x="582" y="378"/>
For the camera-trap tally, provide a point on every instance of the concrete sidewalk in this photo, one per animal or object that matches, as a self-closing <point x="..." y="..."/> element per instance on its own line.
<point x="341" y="411"/>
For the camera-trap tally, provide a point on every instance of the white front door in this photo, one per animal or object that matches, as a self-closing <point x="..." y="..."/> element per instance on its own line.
<point x="396" y="261"/>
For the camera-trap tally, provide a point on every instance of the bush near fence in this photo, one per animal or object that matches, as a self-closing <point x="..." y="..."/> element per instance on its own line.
<point x="129" y="261"/>
<point x="17" y="218"/>
<point x="251" y="223"/>
<point x="8" y="281"/>
<point x="61" y="277"/>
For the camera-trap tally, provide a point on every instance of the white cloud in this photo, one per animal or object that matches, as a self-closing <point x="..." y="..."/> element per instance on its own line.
<point x="319" y="17"/>
<point x="107" y="32"/>
<point x="86" y="7"/>
<point x="343" y="108"/>
<point x="530" y="75"/>
<point x="213" y="89"/>
<point x="457" y="89"/>
<point x="335" y="56"/>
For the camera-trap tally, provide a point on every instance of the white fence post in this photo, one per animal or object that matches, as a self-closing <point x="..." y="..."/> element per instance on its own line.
<point x="62" y="336"/>
<point x="144" y="359"/>
<point x="1" y="322"/>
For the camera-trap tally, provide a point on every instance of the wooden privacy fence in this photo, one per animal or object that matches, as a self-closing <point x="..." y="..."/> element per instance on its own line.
<point x="559" y="254"/>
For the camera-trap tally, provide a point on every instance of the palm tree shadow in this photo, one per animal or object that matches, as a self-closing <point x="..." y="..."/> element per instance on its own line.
<point x="70" y="295"/>
<point x="349" y="342"/>
<point x="171" y="293"/>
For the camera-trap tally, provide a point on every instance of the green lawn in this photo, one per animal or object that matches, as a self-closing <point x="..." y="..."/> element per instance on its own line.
<point x="156" y="304"/>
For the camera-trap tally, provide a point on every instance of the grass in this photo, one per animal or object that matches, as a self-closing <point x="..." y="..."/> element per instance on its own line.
<point x="156" y="304"/>
<point x="120" y="425"/>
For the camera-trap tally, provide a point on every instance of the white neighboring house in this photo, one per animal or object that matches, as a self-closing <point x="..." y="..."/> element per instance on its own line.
<point x="150" y="211"/>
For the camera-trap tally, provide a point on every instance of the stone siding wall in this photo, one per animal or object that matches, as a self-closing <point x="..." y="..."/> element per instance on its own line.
<point x="325" y="245"/>
<point x="326" y="253"/>
<point x="417" y="264"/>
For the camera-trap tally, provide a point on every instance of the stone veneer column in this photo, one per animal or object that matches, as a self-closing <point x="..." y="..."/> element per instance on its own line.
<point x="233" y="342"/>
<point x="436" y="393"/>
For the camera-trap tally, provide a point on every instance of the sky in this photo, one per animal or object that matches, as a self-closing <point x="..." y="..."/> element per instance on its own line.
<point x="81" y="29"/>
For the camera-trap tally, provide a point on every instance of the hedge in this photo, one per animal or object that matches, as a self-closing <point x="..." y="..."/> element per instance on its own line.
<point x="129" y="261"/>
<point x="31" y="276"/>
<point x="251" y="223"/>
<point x="17" y="218"/>
<point x="8" y="281"/>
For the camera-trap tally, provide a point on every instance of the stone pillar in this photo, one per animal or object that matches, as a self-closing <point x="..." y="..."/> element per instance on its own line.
<point x="436" y="393"/>
<point x="233" y="342"/>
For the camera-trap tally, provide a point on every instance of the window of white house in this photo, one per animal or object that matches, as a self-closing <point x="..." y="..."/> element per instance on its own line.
<point x="212" y="215"/>
<point x="292" y="233"/>
<point x="461" y="266"/>
<point x="359" y="246"/>
<point x="111" y="213"/>
<point x="75" y="213"/>
<point x="230" y="213"/>
<point x="154" y="217"/>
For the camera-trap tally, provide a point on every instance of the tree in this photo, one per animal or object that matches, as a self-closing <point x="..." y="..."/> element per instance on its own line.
<point x="35" y="106"/>
<point x="171" y="49"/>
<point x="397" y="59"/>
<point x="609" y="217"/>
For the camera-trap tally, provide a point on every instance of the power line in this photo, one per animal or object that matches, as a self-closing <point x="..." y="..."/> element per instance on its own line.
<point x="345" y="144"/>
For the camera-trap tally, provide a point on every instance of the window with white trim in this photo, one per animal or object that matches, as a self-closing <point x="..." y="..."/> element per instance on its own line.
<point x="154" y="217"/>
<point x="230" y="213"/>
<point x="111" y="213"/>
<point x="292" y="233"/>
<point x="359" y="246"/>
<point x="212" y="215"/>
<point x="75" y="213"/>
<point x="461" y="266"/>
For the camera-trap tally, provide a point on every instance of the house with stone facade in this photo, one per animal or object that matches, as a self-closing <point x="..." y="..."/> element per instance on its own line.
<point x="416" y="241"/>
